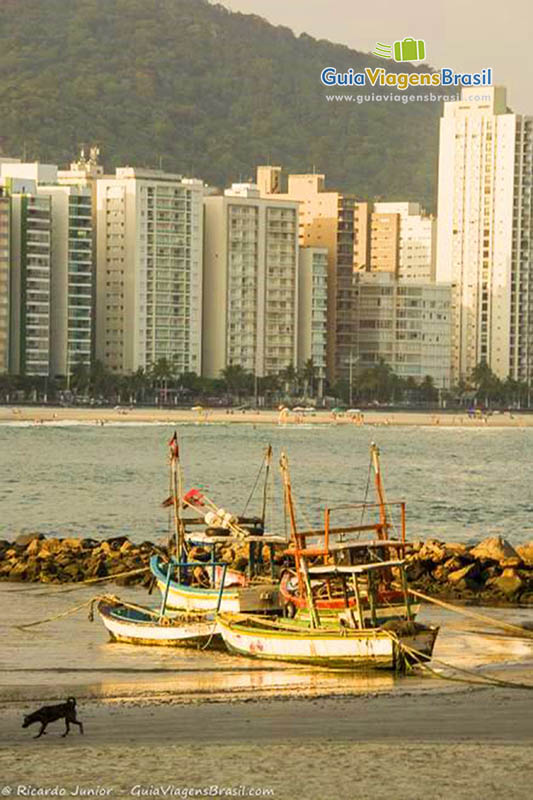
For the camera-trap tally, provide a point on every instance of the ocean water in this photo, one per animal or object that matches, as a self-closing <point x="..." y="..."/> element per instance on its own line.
<point x="84" y="480"/>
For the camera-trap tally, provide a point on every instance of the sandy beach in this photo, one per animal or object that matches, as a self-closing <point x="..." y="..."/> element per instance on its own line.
<point x="49" y="415"/>
<point x="462" y="744"/>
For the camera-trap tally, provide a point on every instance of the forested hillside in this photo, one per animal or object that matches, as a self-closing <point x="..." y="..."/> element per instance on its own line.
<point x="203" y="92"/>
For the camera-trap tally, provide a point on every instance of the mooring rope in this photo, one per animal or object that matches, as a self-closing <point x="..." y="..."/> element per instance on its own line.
<point x="481" y="680"/>
<point x="474" y="615"/>
<point x="72" y="587"/>
<point x="57" y="616"/>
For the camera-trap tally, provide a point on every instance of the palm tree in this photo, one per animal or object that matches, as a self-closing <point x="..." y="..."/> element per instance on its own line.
<point x="238" y="381"/>
<point x="309" y="375"/>
<point x="289" y="376"/>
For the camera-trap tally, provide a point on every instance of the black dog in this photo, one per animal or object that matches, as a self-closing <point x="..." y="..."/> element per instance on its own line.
<point x="48" y="714"/>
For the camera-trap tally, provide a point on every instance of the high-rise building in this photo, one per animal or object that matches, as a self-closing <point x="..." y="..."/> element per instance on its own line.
<point x="336" y="221"/>
<point x="407" y="325"/>
<point x="5" y="254"/>
<point x="30" y="280"/>
<point x="485" y="236"/>
<point x="313" y="312"/>
<point x="149" y="274"/>
<point x="85" y="173"/>
<point x="251" y="282"/>
<point x="384" y="242"/>
<point x="72" y="278"/>
<point x="403" y="241"/>
<point x="52" y="270"/>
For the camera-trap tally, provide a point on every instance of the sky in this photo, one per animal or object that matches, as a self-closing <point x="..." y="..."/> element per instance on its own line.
<point x="465" y="36"/>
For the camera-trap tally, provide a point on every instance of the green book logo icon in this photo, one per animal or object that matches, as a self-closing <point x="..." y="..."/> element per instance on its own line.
<point x="410" y="50"/>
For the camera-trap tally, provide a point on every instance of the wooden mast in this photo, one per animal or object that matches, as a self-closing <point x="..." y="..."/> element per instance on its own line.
<point x="268" y="462"/>
<point x="300" y="560"/>
<point x="175" y="469"/>
<point x="383" y="520"/>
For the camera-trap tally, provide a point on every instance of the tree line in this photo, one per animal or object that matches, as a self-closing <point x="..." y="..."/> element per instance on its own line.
<point x="162" y="385"/>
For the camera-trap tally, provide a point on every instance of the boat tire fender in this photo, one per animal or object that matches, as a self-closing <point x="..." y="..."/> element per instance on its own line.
<point x="217" y="532"/>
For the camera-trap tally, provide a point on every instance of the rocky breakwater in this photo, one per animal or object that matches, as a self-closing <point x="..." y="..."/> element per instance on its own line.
<point x="36" y="558"/>
<point x="491" y="572"/>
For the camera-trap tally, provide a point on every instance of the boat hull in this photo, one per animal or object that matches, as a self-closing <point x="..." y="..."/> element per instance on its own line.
<point x="129" y="627"/>
<point x="235" y="599"/>
<point x="346" y="649"/>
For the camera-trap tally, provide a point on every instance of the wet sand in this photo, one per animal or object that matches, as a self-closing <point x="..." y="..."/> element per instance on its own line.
<point x="461" y="744"/>
<point x="49" y="415"/>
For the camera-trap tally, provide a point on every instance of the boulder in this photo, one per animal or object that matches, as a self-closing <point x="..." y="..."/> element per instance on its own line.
<point x="456" y="549"/>
<point x="459" y="575"/>
<point x="51" y="545"/>
<point x="495" y="548"/>
<point x="18" y="572"/>
<point x="24" y="539"/>
<point x="116" y="542"/>
<point x="508" y="583"/>
<point x="440" y="573"/>
<point x="71" y="544"/>
<point x="525" y="551"/>
<point x="453" y="564"/>
<point x="33" y="547"/>
<point x="414" y="569"/>
<point x="432" y="551"/>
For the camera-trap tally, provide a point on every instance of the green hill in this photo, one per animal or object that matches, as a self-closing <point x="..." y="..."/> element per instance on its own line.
<point x="202" y="91"/>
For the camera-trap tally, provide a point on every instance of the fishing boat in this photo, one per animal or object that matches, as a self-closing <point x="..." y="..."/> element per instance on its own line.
<point x="196" y="585"/>
<point x="193" y="585"/>
<point x="336" y="544"/>
<point x="351" y="639"/>
<point x="145" y="626"/>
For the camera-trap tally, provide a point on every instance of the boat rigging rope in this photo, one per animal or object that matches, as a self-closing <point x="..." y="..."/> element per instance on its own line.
<point x="363" y="509"/>
<point x="254" y="487"/>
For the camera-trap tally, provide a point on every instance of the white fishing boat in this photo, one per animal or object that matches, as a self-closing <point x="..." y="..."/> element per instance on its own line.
<point x="354" y="640"/>
<point x="332" y="646"/>
<point x="241" y="593"/>
<point x="145" y="626"/>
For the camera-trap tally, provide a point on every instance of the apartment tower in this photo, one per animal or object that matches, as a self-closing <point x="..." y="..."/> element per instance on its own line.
<point x="251" y="282"/>
<point x="485" y="242"/>
<point x="149" y="275"/>
<point x="337" y="222"/>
